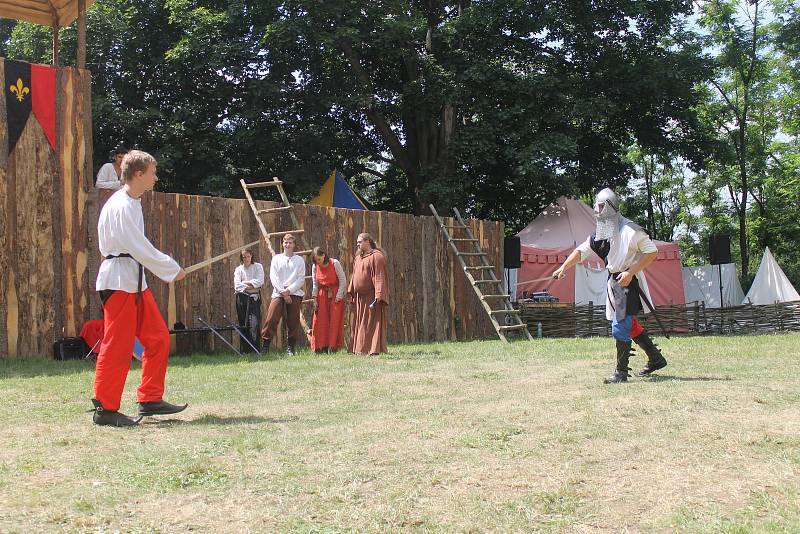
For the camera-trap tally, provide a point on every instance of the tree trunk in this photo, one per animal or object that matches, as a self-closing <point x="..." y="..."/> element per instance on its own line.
<point x="648" y="182"/>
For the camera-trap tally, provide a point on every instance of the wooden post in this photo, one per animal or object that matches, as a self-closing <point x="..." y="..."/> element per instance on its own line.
<point x="55" y="44"/>
<point x="81" y="59"/>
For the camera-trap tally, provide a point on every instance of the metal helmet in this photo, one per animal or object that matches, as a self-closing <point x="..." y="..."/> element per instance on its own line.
<point x="606" y="211"/>
<point x="608" y="197"/>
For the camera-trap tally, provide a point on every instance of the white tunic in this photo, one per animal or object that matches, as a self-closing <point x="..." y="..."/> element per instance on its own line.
<point x="253" y="274"/>
<point x="287" y="272"/>
<point x="120" y="229"/>
<point x="107" y="177"/>
<point x="627" y="248"/>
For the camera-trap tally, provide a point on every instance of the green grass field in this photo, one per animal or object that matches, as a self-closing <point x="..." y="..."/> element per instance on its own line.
<point x="462" y="437"/>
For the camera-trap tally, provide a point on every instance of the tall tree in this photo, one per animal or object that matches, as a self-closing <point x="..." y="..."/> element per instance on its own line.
<point x="496" y="106"/>
<point x="740" y="100"/>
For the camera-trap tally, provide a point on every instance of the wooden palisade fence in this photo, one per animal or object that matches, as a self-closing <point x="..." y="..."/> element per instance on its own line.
<point x="44" y="219"/>
<point x="430" y="300"/>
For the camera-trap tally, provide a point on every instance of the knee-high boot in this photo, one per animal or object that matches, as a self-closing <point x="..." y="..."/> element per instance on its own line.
<point x="655" y="360"/>
<point x="621" y="372"/>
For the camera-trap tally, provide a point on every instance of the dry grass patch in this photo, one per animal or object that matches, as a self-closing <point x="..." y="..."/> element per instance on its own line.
<point x="463" y="437"/>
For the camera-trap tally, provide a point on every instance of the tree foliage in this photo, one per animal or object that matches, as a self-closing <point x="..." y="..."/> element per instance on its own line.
<point x="494" y="106"/>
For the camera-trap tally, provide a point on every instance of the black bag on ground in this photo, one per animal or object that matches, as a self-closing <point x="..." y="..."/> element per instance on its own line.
<point x="70" y="348"/>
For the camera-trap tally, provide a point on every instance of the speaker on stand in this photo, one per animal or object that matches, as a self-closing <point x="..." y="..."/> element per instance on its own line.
<point x="719" y="252"/>
<point x="512" y="253"/>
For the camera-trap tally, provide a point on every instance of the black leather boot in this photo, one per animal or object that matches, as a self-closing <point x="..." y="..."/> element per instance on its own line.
<point x="101" y="416"/>
<point x="655" y="360"/>
<point x="621" y="372"/>
<point x="160" y="408"/>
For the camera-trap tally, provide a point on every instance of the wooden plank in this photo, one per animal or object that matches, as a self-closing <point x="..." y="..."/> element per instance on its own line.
<point x="36" y="16"/>
<point x="77" y="218"/>
<point x="34" y="243"/>
<point x="80" y="61"/>
<point x="5" y="244"/>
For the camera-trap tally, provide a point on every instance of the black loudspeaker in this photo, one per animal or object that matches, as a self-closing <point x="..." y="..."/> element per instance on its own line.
<point x="70" y="348"/>
<point x="719" y="248"/>
<point x="512" y="252"/>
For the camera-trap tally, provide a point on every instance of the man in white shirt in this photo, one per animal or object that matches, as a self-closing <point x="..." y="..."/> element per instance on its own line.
<point x="626" y="250"/>
<point x="287" y="274"/>
<point x="110" y="175"/>
<point x="247" y="281"/>
<point x="129" y="309"/>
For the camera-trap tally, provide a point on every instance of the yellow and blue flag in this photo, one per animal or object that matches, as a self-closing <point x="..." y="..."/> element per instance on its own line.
<point x="335" y="193"/>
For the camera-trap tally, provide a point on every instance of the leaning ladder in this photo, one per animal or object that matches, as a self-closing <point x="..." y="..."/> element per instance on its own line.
<point x="487" y="279"/>
<point x="297" y="231"/>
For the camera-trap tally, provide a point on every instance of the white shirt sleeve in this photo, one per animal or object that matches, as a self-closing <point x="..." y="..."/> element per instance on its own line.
<point x="238" y="279"/>
<point x="274" y="276"/>
<point x="137" y="245"/>
<point x="585" y="248"/>
<point x="258" y="276"/>
<point x="314" y="285"/>
<point x="107" y="177"/>
<point x="644" y="244"/>
<point x="337" y="266"/>
<point x="298" y="277"/>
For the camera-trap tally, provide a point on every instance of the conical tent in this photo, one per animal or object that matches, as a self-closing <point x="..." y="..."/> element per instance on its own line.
<point x="550" y="237"/>
<point x="706" y="283"/>
<point x="770" y="285"/>
<point x="335" y="193"/>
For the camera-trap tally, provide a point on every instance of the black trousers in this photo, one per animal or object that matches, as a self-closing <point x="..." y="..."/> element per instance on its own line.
<point x="248" y="312"/>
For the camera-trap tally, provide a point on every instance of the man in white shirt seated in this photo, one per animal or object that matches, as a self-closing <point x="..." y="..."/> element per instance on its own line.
<point x="287" y="274"/>
<point x="247" y="281"/>
<point x="110" y="175"/>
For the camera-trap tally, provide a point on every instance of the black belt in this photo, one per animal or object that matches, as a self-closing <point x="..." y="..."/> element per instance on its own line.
<point x="141" y="273"/>
<point x="644" y="298"/>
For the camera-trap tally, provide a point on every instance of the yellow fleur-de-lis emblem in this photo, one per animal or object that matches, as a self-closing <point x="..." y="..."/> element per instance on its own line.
<point x="20" y="90"/>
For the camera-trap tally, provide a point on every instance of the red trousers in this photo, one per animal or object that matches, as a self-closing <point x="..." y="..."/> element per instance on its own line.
<point x="327" y="332"/>
<point x="124" y="321"/>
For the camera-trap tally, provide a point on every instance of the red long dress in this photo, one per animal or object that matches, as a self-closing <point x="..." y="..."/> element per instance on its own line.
<point x="327" y="331"/>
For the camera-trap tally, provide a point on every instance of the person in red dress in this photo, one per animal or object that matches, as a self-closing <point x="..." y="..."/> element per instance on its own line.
<point x="328" y="290"/>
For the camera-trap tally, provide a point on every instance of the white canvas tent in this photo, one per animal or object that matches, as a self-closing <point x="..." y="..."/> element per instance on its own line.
<point x="770" y="285"/>
<point x="703" y="284"/>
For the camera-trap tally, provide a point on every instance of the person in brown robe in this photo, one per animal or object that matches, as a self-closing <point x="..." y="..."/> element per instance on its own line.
<point x="369" y="293"/>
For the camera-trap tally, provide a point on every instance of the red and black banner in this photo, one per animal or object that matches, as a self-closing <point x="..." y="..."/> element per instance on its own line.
<point x="30" y="88"/>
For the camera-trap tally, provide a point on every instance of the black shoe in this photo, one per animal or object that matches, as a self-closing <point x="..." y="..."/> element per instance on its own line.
<point x="617" y="377"/>
<point x="160" y="408"/>
<point x="290" y="350"/>
<point x="652" y="367"/>
<point x="103" y="417"/>
<point x="655" y="360"/>
<point x="265" y="345"/>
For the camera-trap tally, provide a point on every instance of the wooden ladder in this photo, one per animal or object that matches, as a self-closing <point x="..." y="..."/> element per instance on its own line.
<point x="487" y="278"/>
<point x="296" y="231"/>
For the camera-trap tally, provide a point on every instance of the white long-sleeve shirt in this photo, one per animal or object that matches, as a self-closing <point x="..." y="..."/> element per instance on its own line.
<point x="337" y="267"/>
<point x="627" y="247"/>
<point x="120" y="230"/>
<point x="107" y="178"/>
<point x="254" y="274"/>
<point x="287" y="272"/>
